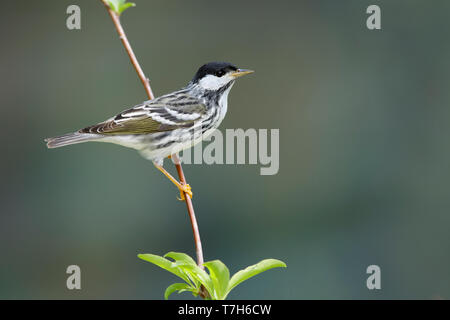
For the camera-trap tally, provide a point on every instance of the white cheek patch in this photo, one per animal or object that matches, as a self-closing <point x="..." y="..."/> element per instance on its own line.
<point x="211" y="82"/>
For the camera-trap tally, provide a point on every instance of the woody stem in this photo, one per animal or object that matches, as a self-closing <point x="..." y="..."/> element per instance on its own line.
<point x="145" y="81"/>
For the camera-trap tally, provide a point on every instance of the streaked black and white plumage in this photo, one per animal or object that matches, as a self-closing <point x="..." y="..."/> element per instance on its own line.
<point x="168" y="124"/>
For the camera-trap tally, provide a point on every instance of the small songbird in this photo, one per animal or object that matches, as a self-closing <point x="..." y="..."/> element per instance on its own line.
<point x="166" y="125"/>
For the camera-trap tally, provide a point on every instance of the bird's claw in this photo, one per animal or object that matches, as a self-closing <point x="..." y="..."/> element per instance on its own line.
<point x="185" y="189"/>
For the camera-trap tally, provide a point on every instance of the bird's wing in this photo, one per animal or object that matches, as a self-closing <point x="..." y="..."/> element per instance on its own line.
<point x="165" y="113"/>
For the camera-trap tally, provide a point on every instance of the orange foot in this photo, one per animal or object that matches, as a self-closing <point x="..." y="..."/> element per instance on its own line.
<point x="184" y="189"/>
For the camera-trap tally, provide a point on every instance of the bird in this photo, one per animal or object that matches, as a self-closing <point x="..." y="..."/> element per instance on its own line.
<point x="166" y="125"/>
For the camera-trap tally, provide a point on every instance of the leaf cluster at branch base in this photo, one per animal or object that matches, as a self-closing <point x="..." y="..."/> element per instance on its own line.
<point x="217" y="282"/>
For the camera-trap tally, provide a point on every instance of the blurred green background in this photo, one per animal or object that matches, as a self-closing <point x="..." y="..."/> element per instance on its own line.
<point x="364" y="149"/>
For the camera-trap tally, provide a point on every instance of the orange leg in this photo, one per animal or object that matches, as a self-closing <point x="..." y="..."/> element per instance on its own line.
<point x="184" y="188"/>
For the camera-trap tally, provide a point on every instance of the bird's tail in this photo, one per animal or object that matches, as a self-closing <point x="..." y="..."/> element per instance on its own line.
<point x="70" y="138"/>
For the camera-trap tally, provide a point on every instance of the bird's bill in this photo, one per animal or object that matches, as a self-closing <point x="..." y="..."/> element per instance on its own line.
<point x="241" y="72"/>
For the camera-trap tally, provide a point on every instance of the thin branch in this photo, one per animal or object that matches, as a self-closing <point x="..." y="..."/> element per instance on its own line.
<point x="190" y="208"/>
<point x="116" y="20"/>
<point x="145" y="81"/>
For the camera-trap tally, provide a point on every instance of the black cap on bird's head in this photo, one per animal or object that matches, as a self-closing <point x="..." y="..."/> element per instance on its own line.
<point x="218" y="73"/>
<point x="214" y="68"/>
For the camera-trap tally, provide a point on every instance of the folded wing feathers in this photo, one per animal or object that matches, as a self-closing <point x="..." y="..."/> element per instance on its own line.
<point x="162" y="114"/>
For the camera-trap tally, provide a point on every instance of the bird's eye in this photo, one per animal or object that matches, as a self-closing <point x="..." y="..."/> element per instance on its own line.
<point x="220" y="73"/>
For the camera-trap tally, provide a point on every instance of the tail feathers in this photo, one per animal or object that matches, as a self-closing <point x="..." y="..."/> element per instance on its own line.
<point x="70" y="138"/>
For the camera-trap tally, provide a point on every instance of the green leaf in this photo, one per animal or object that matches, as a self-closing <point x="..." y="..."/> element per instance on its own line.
<point x="183" y="259"/>
<point x="113" y="5"/>
<point x="165" y="264"/>
<point x="200" y="276"/>
<point x="253" y="270"/>
<point x="220" y="277"/>
<point x="180" y="287"/>
<point x="180" y="258"/>
<point x="126" y="6"/>
<point x="119" y="6"/>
